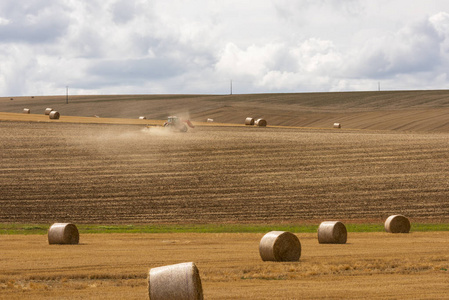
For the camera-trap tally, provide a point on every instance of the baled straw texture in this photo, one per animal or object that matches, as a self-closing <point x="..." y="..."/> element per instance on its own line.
<point x="260" y="122"/>
<point x="209" y="120"/>
<point x="249" y="121"/>
<point x="397" y="224"/>
<point x="332" y="232"/>
<point x="26" y="110"/>
<point x="142" y="118"/>
<point x="48" y="110"/>
<point x="175" y="282"/>
<point x="280" y="246"/>
<point x="54" y="115"/>
<point x="337" y="125"/>
<point x="63" y="233"/>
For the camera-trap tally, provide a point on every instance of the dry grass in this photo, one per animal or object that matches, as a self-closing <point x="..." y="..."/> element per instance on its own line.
<point x="115" y="266"/>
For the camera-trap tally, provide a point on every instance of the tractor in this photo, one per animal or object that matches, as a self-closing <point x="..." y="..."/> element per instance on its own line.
<point x="176" y="124"/>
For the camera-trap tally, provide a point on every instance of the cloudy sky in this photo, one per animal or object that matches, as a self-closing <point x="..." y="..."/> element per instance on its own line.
<point x="199" y="46"/>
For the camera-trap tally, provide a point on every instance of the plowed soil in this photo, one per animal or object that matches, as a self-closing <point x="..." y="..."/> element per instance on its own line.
<point x="90" y="173"/>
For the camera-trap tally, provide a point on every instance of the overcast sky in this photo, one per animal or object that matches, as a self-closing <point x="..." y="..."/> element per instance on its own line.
<point x="199" y="46"/>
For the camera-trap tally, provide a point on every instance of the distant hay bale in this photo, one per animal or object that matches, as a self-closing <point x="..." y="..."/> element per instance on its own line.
<point x="54" y="115"/>
<point x="209" y="120"/>
<point x="397" y="224"/>
<point x="173" y="282"/>
<point x="260" y="122"/>
<point x="249" y="121"/>
<point x="26" y="111"/>
<point x="280" y="246"/>
<point x="63" y="233"/>
<point x="11" y="99"/>
<point x="48" y="110"/>
<point x="337" y="125"/>
<point x="142" y="118"/>
<point x="332" y="232"/>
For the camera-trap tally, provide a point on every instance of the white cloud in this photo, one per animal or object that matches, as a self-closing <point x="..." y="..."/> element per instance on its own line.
<point x="139" y="46"/>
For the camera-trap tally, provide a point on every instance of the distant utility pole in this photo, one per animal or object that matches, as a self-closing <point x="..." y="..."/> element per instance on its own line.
<point x="231" y="87"/>
<point x="378" y="86"/>
<point x="67" y="95"/>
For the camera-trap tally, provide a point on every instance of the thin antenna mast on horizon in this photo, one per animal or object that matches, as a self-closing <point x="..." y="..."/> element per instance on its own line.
<point x="231" y="88"/>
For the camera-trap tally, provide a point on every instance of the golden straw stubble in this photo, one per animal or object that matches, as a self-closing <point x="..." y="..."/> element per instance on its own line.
<point x="175" y="282"/>
<point x="332" y="232"/>
<point x="280" y="246"/>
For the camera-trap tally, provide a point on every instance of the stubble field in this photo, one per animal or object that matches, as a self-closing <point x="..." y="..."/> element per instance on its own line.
<point x="115" y="266"/>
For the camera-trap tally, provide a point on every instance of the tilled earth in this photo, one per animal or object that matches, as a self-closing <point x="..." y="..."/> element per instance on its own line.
<point x="90" y="173"/>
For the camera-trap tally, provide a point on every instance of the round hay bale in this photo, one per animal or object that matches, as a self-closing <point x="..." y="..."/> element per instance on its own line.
<point x="249" y="121"/>
<point x="48" y="110"/>
<point x="173" y="282"/>
<point x="397" y="224"/>
<point x="260" y="122"/>
<point x="54" y="115"/>
<point x="332" y="232"/>
<point x="337" y="125"/>
<point x="26" y="111"/>
<point x="280" y="246"/>
<point x="209" y="120"/>
<point x="142" y="118"/>
<point x="63" y="233"/>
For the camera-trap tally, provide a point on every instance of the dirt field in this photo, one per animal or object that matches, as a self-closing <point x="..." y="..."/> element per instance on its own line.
<point x="89" y="173"/>
<point x="115" y="266"/>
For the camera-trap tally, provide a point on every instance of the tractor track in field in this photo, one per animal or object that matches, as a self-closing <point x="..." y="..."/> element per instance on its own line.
<point x="91" y="173"/>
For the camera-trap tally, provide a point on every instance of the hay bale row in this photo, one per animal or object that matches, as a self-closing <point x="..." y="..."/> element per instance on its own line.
<point x="332" y="232"/>
<point x="249" y="121"/>
<point x="175" y="282"/>
<point x="26" y="111"/>
<point x="63" y="233"/>
<point x="280" y="246"/>
<point x="397" y="224"/>
<point x="258" y="122"/>
<point x="54" y="115"/>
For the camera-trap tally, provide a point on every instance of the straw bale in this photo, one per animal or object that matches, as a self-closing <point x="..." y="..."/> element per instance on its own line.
<point x="26" y="111"/>
<point x="249" y="121"/>
<point x="332" y="232"/>
<point x="142" y="118"/>
<point x="48" y="110"/>
<point x="173" y="282"/>
<point x="397" y="224"/>
<point x="337" y="125"/>
<point x="54" y="115"/>
<point x="260" y="122"/>
<point x="280" y="246"/>
<point x="63" y="233"/>
<point x="209" y="120"/>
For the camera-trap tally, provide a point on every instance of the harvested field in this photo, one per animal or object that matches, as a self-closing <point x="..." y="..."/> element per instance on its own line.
<point x="386" y="110"/>
<point x="91" y="173"/>
<point x="115" y="266"/>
